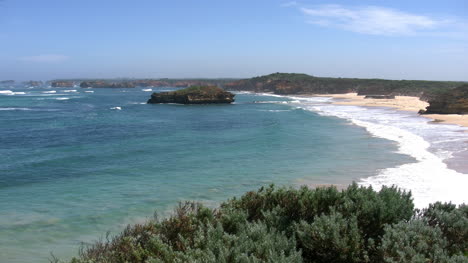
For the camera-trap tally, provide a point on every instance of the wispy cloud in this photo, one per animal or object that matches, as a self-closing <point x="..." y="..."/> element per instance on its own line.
<point x="376" y="20"/>
<point x="45" y="58"/>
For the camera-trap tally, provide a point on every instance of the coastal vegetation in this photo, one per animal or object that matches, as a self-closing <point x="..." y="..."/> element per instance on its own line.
<point x="454" y="101"/>
<point x="292" y="83"/>
<point x="193" y="95"/>
<point x="272" y="224"/>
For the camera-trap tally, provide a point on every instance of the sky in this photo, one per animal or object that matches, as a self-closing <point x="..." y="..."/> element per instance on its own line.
<point x="398" y="39"/>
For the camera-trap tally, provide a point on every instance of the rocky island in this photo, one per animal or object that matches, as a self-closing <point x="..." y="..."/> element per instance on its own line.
<point x="105" y="84"/>
<point x="194" y="95"/>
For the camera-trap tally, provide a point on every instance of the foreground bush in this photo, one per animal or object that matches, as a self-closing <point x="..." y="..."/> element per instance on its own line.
<point x="296" y="225"/>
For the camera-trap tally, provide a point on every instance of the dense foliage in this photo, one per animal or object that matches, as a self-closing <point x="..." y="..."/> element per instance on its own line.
<point x="203" y="90"/>
<point x="296" y="225"/>
<point x="453" y="101"/>
<point x="291" y="83"/>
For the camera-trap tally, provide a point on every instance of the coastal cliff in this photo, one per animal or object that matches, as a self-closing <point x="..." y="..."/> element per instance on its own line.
<point x="453" y="101"/>
<point x="104" y="84"/>
<point x="194" y="95"/>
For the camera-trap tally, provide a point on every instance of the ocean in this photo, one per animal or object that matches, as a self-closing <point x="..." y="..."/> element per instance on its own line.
<point x="78" y="163"/>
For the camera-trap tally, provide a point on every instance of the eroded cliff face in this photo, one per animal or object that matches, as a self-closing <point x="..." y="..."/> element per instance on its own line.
<point x="194" y="95"/>
<point x="454" y="101"/>
<point x="104" y="84"/>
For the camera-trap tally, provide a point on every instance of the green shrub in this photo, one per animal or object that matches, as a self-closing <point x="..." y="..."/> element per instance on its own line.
<point x="413" y="241"/>
<point x="331" y="238"/>
<point x="296" y="225"/>
<point x="453" y="223"/>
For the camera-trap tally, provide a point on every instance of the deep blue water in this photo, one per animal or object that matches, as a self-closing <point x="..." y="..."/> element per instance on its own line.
<point x="74" y="167"/>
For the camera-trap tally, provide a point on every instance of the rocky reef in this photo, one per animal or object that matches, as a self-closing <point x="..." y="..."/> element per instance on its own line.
<point x="62" y="84"/>
<point x="382" y="97"/>
<point x="454" y="101"/>
<point x="104" y="84"/>
<point x="194" y="95"/>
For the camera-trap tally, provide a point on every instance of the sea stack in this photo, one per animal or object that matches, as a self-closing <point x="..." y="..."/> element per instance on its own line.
<point x="194" y="95"/>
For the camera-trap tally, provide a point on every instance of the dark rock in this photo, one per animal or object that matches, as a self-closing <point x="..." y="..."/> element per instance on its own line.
<point x="33" y="83"/>
<point x="453" y="101"/>
<point x="62" y="84"/>
<point x="194" y="95"/>
<point x="104" y="84"/>
<point x="379" y="97"/>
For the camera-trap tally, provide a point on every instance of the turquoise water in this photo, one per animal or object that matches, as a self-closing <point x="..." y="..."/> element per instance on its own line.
<point x="73" y="166"/>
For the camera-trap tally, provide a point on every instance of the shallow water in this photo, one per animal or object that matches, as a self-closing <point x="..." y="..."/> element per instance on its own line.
<point x="76" y="164"/>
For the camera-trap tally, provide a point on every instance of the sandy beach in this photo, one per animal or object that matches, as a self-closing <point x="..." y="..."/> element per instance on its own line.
<point x="406" y="103"/>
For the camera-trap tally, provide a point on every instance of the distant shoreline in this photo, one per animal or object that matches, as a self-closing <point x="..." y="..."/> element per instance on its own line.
<point x="406" y="103"/>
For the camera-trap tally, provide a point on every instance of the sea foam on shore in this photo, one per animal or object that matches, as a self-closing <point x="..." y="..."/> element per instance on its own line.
<point x="428" y="178"/>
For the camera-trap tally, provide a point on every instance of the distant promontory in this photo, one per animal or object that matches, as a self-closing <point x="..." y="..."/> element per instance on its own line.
<point x="105" y="84"/>
<point x="194" y="95"/>
<point x="453" y="101"/>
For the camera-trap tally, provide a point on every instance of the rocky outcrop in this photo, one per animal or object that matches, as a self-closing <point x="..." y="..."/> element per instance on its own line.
<point x="382" y="97"/>
<point x="194" y="95"/>
<point x="33" y="83"/>
<point x="453" y="101"/>
<point x="62" y="84"/>
<point x="104" y="84"/>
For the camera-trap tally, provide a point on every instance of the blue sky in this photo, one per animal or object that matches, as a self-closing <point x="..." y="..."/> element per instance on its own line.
<point x="399" y="39"/>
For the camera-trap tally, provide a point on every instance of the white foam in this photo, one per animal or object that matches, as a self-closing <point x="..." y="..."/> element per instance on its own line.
<point x="13" y="109"/>
<point x="147" y="89"/>
<point x="6" y="92"/>
<point x="428" y="178"/>
<point x="62" y="98"/>
<point x="9" y="92"/>
<point x="116" y="108"/>
<point x="89" y="91"/>
<point x="70" y="90"/>
<point x="49" y="92"/>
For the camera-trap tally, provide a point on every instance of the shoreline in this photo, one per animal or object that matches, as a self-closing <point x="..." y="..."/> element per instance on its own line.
<point x="411" y="104"/>
<point x="405" y="103"/>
